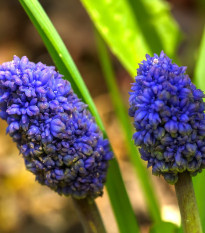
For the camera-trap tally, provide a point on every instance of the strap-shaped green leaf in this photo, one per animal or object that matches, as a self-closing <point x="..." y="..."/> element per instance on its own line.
<point x="158" y="27"/>
<point x="119" y="199"/>
<point x="199" y="74"/>
<point x="133" y="28"/>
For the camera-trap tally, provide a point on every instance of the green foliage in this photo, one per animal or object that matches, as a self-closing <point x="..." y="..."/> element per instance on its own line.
<point x="114" y="20"/>
<point x="120" y="202"/>
<point x="158" y="27"/>
<point x="57" y="50"/>
<point x="133" y="28"/>
<point x="199" y="75"/>
<point x="165" y="227"/>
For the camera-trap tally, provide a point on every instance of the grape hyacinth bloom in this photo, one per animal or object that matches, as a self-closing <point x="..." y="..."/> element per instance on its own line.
<point x="54" y="131"/>
<point x="169" y="119"/>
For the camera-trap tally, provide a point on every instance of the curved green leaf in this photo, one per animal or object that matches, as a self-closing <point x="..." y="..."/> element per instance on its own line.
<point x="164" y="227"/>
<point x="158" y="27"/>
<point x="133" y="28"/>
<point x="199" y="74"/>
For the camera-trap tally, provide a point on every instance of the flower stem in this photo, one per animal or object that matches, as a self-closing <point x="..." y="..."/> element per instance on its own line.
<point x="89" y="215"/>
<point x="187" y="204"/>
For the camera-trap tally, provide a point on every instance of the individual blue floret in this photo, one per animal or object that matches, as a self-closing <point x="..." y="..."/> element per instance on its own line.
<point x="169" y="118"/>
<point x="56" y="134"/>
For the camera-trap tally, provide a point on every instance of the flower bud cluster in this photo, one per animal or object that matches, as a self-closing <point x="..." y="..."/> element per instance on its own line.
<point x="169" y="119"/>
<point x="56" y="134"/>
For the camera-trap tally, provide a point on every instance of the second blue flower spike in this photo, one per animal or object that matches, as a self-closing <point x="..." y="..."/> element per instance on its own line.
<point x="168" y="112"/>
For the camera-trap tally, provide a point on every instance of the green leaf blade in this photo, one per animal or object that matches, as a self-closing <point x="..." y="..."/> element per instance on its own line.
<point x="114" y="20"/>
<point x="165" y="227"/>
<point x="57" y="50"/>
<point x="133" y="28"/>
<point x="199" y="74"/>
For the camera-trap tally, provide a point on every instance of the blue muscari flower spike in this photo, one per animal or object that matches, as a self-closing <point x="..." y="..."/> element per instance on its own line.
<point x="56" y="134"/>
<point x="169" y="118"/>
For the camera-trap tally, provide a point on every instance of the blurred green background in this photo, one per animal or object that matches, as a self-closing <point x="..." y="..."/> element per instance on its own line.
<point x="25" y="206"/>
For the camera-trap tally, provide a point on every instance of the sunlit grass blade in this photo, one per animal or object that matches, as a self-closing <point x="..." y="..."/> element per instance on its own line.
<point x="122" y="114"/>
<point x="115" y="22"/>
<point x="199" y="74"/>
<point x="120" y="202"/>
<point x="199" y="79"/>
<point x="57" y="49"/>
<point x="133" y="28"/>
<point x="154" y="18"/>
